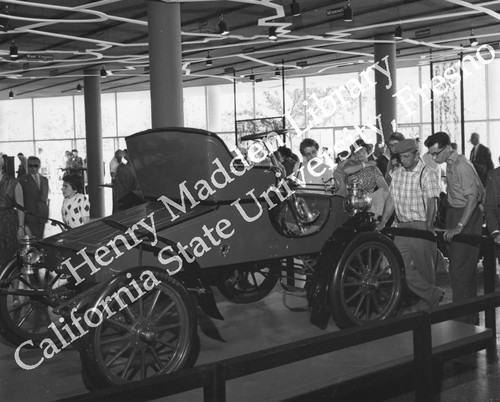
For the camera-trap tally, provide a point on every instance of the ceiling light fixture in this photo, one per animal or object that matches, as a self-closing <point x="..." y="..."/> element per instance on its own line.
<point x="473" y="40"/>
<point x="104" y="73"/>
<point x="209" y="59"/>
<point x="272" y="33"/>
<point x="295" y="8"/>
<point x="79" y="88"/>
<point x="223" y="30"/>
<point x="11" y="95"/>
<point x="348" y="12"/>
<point x="398" y="32"/>
<point x="13" y="51"/>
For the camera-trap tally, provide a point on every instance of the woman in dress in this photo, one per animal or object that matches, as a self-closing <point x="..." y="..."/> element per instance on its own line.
<point x="368" y="177"/>
<point x="76" y="207"/>
<point x="11" y="219"/>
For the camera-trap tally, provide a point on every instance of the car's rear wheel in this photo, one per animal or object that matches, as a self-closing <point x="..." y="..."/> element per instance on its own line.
<point x="368" y="281"/>
<point x="155" y="334"/>
<point x="248" y="283"/>
<point x="24" y="317"/>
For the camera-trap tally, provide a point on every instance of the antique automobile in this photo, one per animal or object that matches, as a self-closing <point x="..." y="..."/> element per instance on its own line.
<point x="123" y="289"/>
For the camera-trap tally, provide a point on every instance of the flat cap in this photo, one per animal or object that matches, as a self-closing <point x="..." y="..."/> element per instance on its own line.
<point x="406" y="146"/>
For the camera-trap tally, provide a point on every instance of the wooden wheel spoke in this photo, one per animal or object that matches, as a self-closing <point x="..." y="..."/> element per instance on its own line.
<point x="156" y="358"/>
<point x="118" y="355"/>
<point x="360" y="260"/>
<point x="116" y="338"/>
<point x="391" y="282"/>
<point x="129" y="362"/>
<point x="387" y="268"/>
<point x="367" y="305"/>
<point x="37" y="318"/>
<point x="356" y="312"/>
<point x="167" y="327"/>
<point x="354" y="272"/>
<point x="27" y="283"/>
<point x="170" y="345"/>
<point x="153" y="302"/>
<point x="353" y="296"/>
<point x="352" y="284"/>
<point x="377" y="263"/>
<point x="254" y="279"/>
<point x="143" y="364"/>
<point x="128" y="313"/>
<point x="140" y="307"/>
<point x="375" y="302"/>
<point x="164" y="311"/>
<point x="370" y="255"/>
<point x="20" y="324"/>
<point x="119" y="324"/>
<point x="54" y="280"/>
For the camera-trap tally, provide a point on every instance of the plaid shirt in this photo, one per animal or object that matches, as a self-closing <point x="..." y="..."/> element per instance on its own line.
<point x="410" y="194"/>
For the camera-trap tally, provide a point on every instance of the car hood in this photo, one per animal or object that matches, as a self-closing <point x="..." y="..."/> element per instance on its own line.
<point x="99" y="232"/>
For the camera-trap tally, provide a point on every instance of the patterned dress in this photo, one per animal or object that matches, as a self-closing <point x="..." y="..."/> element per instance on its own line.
<point x="74" y="209"/>
<point x="8" y="219"/>
<point x="367" y="178"/>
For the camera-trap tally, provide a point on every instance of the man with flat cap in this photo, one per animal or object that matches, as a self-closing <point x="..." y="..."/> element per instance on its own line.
<point x="414" y="191"/>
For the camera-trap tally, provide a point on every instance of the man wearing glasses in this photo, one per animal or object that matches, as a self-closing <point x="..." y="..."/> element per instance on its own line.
<point x="465" y="191"/>
<point x="35" y="193"/>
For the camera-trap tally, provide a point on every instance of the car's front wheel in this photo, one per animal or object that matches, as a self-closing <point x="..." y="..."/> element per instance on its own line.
<point x="154" y="334"/>
<point x="368" y="281"/>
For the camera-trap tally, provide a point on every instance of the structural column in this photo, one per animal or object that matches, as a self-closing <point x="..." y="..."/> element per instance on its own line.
<point x="213" y="108"/>
<point x="385" y="102"/>
<point x="165" y="64"/>
<point x="93" y="135"/>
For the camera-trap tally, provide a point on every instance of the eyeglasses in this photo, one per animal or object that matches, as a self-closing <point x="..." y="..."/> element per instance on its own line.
<point x="30" y="165"/>
<point x="435" y="154"/>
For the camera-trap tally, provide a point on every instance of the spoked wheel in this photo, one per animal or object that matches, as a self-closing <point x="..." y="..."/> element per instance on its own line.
<point x="151" y="335"/>
<point x="368" y="282"/>
<point x="249" y="283"/>
<point x="27" y="316"/>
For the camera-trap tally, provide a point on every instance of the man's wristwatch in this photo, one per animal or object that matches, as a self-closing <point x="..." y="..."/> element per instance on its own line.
<point x="460" y="226"/>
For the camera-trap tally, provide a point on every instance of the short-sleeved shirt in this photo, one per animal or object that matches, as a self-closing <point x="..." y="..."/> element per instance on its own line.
<point x="75" y="209"/>
<point x="462" y="180"/>
<point x="410" y="190"/>
<point x="367" y="177"/>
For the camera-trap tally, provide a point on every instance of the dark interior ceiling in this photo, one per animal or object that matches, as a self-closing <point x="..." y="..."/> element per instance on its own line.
<point x="58" y="39"/>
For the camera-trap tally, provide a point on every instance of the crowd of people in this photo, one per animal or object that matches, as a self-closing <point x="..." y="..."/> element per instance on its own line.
<point x="24" y="199"/>
<point x="409" y="189"/>
<point x="404" y="183"/>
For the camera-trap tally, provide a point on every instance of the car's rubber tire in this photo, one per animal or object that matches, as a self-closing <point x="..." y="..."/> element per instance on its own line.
<point x="165" y="314"/>
<point x="249" y="283"/>
<point x="369" y="277"/>
<point x="21" y="317"/>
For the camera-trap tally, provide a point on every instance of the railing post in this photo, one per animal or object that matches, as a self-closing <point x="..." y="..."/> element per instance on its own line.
<point x="489" y="275"/>
<point x="216" y="390"/>
<point x="422" y="355"/>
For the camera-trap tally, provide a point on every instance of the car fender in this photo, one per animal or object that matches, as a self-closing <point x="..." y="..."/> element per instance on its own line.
<point x="195" y="280"/>
<point x="330" y="255"/>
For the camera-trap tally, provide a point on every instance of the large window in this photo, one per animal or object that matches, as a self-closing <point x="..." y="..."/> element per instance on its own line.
<point x="325" y="108"/>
